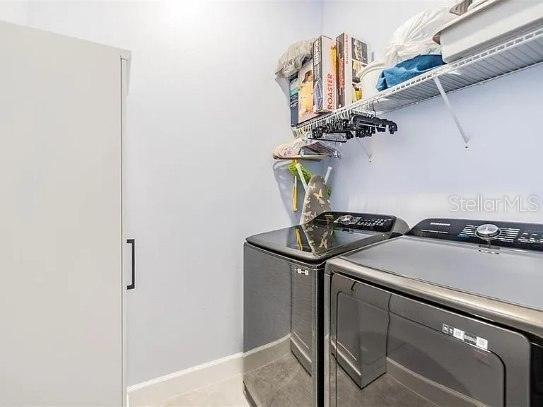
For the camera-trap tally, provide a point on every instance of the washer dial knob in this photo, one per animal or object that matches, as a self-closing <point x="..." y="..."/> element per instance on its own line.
<point x="487" y="231"/>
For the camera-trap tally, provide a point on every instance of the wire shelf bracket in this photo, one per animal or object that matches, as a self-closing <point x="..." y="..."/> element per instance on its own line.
<point x="450" y="109"/>
<point x="367" y="151"/>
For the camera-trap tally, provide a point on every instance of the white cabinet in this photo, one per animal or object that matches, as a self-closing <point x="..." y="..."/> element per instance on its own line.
<point x="61" y="234"/>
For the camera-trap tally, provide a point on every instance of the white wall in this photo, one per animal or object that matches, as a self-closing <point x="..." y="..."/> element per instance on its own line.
<point x="204" y="113"/>
<point x="372" y="21"/>
<point x="14" y="12"/>
<point x="414" y="172"/>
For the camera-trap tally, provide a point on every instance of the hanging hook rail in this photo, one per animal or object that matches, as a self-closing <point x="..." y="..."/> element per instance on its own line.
<point x="342" y="113"/>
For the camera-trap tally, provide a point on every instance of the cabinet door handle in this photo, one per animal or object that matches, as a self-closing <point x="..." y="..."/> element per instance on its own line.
<point x="132" y="285"/>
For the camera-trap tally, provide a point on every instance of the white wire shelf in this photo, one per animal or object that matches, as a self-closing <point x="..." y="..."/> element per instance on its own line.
<point x="519" y="53"/>
<point x="308" y="157"/>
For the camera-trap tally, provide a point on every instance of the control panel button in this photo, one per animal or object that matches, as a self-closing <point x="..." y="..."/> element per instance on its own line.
<point x="532" y="238"/>
<point x="487" y="231"/>
<point x="348" y="219"/>
<point x="360" y="221"/>
<point x="378" y="224"/>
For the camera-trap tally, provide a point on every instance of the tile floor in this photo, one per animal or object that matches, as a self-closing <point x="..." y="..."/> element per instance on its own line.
<point x="226" y="393"/>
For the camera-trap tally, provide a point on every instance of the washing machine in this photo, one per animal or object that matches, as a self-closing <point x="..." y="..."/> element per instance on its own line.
<point x="283" y="303"/>
<point x="450" y="314"/>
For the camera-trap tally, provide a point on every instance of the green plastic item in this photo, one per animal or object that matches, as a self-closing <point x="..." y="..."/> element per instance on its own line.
<point x="306" y="173"/>
<point x="294" y="171"/>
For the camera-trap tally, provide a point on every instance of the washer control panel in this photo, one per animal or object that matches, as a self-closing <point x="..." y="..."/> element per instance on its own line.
<point x="360" y="221"/>
<point x="531" y="237"/>
<point x="508" y="234"/>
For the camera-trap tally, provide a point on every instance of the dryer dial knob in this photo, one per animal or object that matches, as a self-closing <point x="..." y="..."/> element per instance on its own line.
<point x="487" y="231"/>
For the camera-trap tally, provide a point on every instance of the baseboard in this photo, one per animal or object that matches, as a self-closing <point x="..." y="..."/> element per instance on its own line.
<point x="262" y="355"/>
<point x="157" y="390"/>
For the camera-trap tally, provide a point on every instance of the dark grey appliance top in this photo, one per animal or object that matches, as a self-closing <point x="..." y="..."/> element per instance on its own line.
<point x="509" y="275"/>
<point x="328" y="235"/>
<point x="493" y="270"/>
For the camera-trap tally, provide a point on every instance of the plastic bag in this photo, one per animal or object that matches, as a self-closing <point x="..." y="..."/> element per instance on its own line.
<point x="461" y="8"/>
<point x="293" y="58"/>
<point x="290" y="149"/>
<point x="415" y="36"/>
<point x="316" y="201"/>
<point x="476" y="3"/>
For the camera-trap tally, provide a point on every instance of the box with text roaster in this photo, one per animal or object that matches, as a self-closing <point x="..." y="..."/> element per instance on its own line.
<point x="352" y="56"/>
<point x="324" y="75"/>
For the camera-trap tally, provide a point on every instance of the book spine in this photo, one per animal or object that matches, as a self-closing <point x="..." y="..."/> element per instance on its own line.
<point x="293" y="95"/>
<point x="330" y="74"/>
<point x="344" y="70"/>
<point x="306" y="107"/>
<point x="348" y="68"/>
<point x="324" y="71"/>
<point x="340" y="46"/>
<point x="318" y="91"/>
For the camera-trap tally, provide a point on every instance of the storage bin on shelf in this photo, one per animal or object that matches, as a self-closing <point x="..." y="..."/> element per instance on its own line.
<point x="489" y="24"/>
<point x="369" y="77"/>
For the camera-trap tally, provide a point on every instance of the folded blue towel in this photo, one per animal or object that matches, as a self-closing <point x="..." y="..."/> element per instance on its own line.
<point x="408" y="69"/>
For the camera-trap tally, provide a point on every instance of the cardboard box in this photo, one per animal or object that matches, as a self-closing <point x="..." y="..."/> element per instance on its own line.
<point x="324" y="71"/>
<point x="306" y="107"/>
<point x="352" y="55"/>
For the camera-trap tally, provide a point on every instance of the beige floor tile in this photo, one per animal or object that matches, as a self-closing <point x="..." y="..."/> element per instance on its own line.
<point x="227" y="393"/>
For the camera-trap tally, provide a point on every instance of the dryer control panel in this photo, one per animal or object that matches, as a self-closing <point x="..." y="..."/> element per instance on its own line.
<point x="360" y="221"/>
<point x="507" y="234"/>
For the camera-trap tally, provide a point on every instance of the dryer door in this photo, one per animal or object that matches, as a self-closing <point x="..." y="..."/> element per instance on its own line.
<point x="390" y="350"/>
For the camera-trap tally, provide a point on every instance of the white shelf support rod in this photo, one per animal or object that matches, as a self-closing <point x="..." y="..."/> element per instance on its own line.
<point x="327" y="176"/>
<point x="301" y="174"/>
<point x="451" y="110"/>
